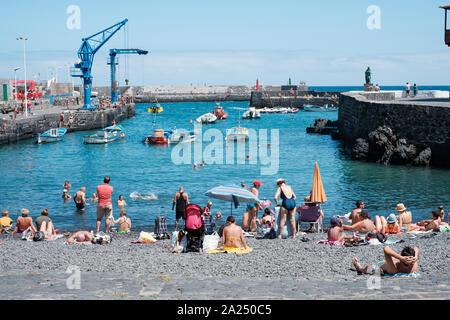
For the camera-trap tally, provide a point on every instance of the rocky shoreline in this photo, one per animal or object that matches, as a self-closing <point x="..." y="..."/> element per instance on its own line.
<point x="281" y="269"/>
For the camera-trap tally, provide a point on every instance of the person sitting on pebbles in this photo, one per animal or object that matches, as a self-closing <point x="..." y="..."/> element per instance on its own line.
<point x="233" y="236"/>
<point x="406" y="262"/>
<point x="364" y="226"/>
<point x="433" y="224"/>
<point x="336" y="231"/>
<point x="124" y="223"/>
<point x="80" y="237"/>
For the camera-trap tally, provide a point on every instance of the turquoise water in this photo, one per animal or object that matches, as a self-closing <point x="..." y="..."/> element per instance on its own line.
<point x="32" y="175"/>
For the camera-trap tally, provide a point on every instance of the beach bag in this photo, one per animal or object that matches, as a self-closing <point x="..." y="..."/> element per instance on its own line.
<point x="211" y="242"/>
<point x="39" y="236"/>
<point x="146" y="237"/>
<point x="101" y="238"/>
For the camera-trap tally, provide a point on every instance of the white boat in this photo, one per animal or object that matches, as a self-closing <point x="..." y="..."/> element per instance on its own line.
<point x="237" y="134"/>
<point x="106" y="135"/>
<point x="52" y="135"/>
<point x="206" y="118"/>
<point x="179" y="137"/>
<point x="251" y="113"/>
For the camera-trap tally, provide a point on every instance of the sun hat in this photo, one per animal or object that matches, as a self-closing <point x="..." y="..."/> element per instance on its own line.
<point x="65" y="190"/>
<point x="280" y="180"/>
<point x="335" y="221"/>
<point x="400" y="207"/>
<point x="392" y="218"/>
<point x="257" y="183"/>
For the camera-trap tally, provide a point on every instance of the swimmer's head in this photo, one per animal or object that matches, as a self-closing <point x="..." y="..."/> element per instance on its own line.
<point x="121" y="197"/>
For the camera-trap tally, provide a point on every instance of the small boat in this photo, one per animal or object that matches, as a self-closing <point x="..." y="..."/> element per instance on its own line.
<point x="155" y="109"/>
<point x="237" y="134"/>
<point x="179" y="137"/>
<point x="312" y="108"/>
<point x="251" y="113"/>
<point x="106" y="135"/>
<point x="207" y="118"/>
<point x="52" y="135"/>
<point x="159" y="137"/>
<point x="219" y="112"/>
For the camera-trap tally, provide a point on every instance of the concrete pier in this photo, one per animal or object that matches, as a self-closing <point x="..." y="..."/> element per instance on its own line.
<point x="42" y="120"/>
<point x="286" y="100"/>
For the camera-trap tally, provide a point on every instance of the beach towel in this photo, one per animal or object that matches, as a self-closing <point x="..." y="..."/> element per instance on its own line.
<point x="335" y="243"/>
<point x="145" y="237"/>
<point x="444" y="228"/>
<point x="231" y="250"/>
<point x="403" y="275"/>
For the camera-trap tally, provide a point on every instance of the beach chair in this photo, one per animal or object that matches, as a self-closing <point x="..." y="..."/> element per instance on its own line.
<point x="310" y="214"/>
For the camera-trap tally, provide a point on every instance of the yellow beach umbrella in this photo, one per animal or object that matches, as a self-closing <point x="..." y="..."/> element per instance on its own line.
<point x="318" y="193"/>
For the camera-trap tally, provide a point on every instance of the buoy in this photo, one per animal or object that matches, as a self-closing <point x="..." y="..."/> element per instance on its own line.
<point x="122" y="135"/>
<point x="268" y="145"/>
<point x="248" y="156"/>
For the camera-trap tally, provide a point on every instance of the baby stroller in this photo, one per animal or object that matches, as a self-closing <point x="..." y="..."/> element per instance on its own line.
<point x="194" y="227"/>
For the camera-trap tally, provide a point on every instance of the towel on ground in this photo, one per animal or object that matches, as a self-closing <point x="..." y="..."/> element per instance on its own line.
<point x="231" y="250"/>
<point x="335" y="243"/>
<point x="403" y="275"/>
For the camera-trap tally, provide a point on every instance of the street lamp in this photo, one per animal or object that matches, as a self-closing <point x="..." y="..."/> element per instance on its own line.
<point x="15" y="83"/>
<point x="25" y="72"/>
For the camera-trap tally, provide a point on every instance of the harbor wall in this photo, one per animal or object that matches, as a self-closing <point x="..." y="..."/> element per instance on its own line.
<point x="83" y="120"/>
<point x="286" y="100"/>
<point x="424" y="126"/>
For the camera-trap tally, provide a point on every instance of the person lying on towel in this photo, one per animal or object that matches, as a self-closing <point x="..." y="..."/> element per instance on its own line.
<point x="233" y="237"/>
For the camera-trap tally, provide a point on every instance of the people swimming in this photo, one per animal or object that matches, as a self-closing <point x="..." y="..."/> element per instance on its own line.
<point x="80" y="198"/>
<point x="65" y="195"/>
<point x="121" y="203"/>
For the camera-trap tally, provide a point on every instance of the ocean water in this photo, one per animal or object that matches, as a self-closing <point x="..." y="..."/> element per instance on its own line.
<point x="32" y="175"/>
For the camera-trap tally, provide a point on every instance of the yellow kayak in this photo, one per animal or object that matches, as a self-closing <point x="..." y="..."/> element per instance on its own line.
<point x="156" y="109"/>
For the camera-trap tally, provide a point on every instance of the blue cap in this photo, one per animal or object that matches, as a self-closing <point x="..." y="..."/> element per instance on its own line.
<point x="392" y="218"/>
<point x="335" y="221"/>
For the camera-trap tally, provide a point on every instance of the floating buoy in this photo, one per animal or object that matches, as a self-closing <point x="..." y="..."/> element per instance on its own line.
<point x="248" y="156"/>
<point x="268" y="145"/>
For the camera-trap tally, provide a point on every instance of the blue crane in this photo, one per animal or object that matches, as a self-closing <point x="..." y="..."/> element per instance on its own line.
<point x="88" y="49"/>
<point x="113" y="62"/>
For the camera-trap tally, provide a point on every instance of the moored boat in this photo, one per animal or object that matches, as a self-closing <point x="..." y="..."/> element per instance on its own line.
<point x="159" y="137"/>
<point x="219" y="112"/>
<point x="106" y="135"/>
<point x="312" y="108"/>
<point x="206" y="118"/>
<point x="52" y="135"/>
<point x="251" y="113"/>
<point x="237" y="134"/>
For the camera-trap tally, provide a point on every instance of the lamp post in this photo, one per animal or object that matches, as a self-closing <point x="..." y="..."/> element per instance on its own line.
<point x="15" y="83"/>
<point x="25" y="72"/>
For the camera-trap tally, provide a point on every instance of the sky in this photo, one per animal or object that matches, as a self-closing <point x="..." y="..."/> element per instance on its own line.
<point x="322" y="42"/>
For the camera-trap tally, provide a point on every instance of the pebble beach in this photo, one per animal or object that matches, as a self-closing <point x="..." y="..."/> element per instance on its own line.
<point x="282" y="269"/>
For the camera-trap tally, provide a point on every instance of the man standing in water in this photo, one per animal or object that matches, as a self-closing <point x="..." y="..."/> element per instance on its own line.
<point x="104" y="207"/>
<point x="181" y="200"/>
<point x="80" y="198"/>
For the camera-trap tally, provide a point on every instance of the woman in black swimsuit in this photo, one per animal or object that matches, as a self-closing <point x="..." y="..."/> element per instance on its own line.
<point x="288" y="205"/>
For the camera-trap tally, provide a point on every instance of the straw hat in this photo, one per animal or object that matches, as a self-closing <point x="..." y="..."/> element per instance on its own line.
<point x="280" y="180"/>
<point x="400" y="207"/>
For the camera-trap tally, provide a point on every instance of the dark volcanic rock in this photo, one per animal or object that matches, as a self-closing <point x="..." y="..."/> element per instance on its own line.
<point x="323" y="126"/>
<point x="381" y="145"/>
<point x="403" y="153"/>
<point x="424" y="158"/>
<point x="360" y="149"/>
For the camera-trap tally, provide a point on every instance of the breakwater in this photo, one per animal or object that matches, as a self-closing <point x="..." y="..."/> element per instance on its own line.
<point x="395" y="131"/>
<point x="12" y="131"/>
<point x="292" y="100"/>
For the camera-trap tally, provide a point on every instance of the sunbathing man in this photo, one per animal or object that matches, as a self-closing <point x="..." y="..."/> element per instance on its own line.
<point x="364" y="226"/>
<point x="233" y="235"/>
<point x="336" y="234"/>
<point x="80" y="237"/>
<point x="354" y="216"/>
<point x="406" y="262"/>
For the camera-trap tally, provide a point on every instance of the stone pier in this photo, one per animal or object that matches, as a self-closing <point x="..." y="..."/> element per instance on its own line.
<point x="286" y="100"/>
<point x="45" y="119"/>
